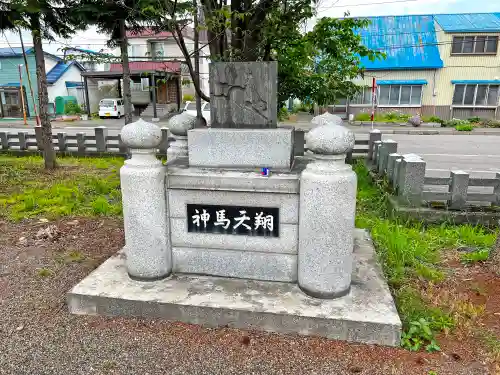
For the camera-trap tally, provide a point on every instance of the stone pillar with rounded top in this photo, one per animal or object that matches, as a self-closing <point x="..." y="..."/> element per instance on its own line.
<point x="147" y="239"/>
<point x="326" y="214"/>
<point x="179" y="126"/>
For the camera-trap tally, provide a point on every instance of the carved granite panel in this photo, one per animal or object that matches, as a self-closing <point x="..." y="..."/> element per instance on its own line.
<point x="243" y="94"/>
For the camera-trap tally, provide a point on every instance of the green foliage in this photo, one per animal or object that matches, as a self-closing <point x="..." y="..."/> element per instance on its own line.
<point x="45" y="272"/>
<point x="464" y="128"/>
<point x="383" y="117"/>
<point x="410" y="251"/>
<point x="474" y="120"/>
<point x="187" y="98"/>
<point x="455" y="122"/>
<point x="80" y="187"/>
<point x="435" y="119"/>
<point x="321" y="64"/>
<point x="282" y="114"/>
<point x="490" y="123"/>
<point x="362" y="116"/>
<point x="72" y="108"/>
<point x="475" y="256"/>
<point x="418" y="335"/>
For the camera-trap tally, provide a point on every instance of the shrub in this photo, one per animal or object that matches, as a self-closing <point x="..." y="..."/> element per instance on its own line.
<point x="282" y="114"/>
<point x="187" y="98"/>
<point x="464" y="127"/>
<point x="474" y="120"/>
<point x="362" y="117"/>
<point x="435" y="119"/>
<point x="491" y="123"/>
<point x="72" y="108"/>
<point x="454" y="122"/>
<point x="418" y="335"/>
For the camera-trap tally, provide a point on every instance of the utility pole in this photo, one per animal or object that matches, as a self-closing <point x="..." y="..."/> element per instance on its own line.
<point x="29" y="78"/>
<point x="22" y="93"/>
<point x="200" y="121"/>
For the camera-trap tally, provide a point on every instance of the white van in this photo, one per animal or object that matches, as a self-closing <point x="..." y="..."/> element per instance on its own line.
<point x="111" y="108"/>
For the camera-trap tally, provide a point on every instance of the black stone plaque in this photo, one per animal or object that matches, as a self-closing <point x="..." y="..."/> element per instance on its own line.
<point x="247" y="221"/>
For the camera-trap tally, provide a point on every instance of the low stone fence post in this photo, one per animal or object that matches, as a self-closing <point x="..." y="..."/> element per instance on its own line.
<point x="144" y="195"/>
<point x="458" y="189"/>
<point x="391" y="165"/>
<point x="101" y="132"/>
<point x="375" y="135"/>
<point x="23" y="139"/>
<point x="376" y="147"/>
<point x="387" y="147"/>
<point x="327" y="205"/>
<point x="38" y="136"/>
<point x="178" y="126"/>
<point x="411" y="178"/>
<point x="61" y="141"/>
<point x="496" y="190"/>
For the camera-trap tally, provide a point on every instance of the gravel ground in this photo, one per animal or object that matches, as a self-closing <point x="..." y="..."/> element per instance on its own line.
<point x="38" y="336"/>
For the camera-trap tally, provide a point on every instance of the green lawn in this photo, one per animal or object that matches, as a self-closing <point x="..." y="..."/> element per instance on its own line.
<point x="81" y="186"/>
<point x="411" y="253"/>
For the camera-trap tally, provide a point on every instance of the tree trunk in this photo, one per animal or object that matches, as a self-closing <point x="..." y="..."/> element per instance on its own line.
<point x="179" y="39"/>
<point x="49" y="155"/>
<point x="200" y="122"/>
<point x="127" y="95"/>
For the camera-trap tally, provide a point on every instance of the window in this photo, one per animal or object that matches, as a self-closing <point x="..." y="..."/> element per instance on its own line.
<point x="480" y="45"/>
<point x="157" y="50"/>
<point x="362" y="97"/>
<point x="400" y="95"/>
<point x="476" y="95"/>
<point x="145" y="84"/>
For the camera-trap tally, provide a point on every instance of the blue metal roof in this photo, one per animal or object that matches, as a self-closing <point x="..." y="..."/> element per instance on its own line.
<point x="73" y="84"/>
<point x="402" y="82"/>
<point x="469" y="22"/>
<point x="58" y="70"/>
<point x="13" y="52"/>
<point x="409" y="42"/>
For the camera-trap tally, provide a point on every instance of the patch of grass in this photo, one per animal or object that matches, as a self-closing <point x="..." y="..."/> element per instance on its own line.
<point x="44" y="272"/>
<point x="419" y="335"/>
<point x="475" y="256"/>
<point x="410" y="255"/>
<point x="464" y="128"/>
<point x="492" y="343"/>
<point x="80" y="186"/>
<point x="362" y="117"/>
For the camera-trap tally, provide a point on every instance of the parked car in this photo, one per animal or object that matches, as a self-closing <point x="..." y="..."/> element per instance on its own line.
<point x="190" y="107"/>
<point x="113" y="107"/>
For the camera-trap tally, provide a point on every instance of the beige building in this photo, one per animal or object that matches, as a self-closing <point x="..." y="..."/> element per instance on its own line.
<point x="443" y="65"/>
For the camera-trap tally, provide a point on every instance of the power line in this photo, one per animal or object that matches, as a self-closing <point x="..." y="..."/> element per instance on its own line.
<point x="366" y="4"/>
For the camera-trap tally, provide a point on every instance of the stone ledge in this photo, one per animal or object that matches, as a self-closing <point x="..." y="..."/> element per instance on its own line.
<point x="367" y="314"/>
<point x="241" y="148"/>
<point x="438" y="216"/>
<point x="209" y="179"/>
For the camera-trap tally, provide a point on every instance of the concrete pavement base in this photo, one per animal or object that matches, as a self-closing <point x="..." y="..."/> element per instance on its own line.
<point x="366" y="315"/>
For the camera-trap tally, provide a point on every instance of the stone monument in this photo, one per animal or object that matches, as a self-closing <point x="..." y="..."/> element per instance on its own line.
<point x="234" y="230"/>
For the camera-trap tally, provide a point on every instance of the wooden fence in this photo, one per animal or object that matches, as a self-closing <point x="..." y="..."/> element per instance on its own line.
<point x="100" y="142"/>
<point x="406" y="174"/>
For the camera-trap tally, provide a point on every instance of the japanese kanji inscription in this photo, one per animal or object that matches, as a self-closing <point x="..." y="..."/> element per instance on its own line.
<point x="250" y="221"/>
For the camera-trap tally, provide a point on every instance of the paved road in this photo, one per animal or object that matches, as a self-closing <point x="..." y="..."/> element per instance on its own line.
<point x="471" y="153"/>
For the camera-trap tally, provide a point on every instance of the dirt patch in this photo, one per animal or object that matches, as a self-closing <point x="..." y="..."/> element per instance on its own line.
<point x="39" y="336"/>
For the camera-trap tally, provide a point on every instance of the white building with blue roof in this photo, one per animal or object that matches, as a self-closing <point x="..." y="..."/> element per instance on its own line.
<point x="447" y="65"/>
<point x="63" y="79"/>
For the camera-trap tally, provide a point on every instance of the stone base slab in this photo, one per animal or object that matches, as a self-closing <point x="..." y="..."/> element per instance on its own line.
<point x="233" y="263"/>
<point x="241" y="148"/>
<point x="367" y="314"/>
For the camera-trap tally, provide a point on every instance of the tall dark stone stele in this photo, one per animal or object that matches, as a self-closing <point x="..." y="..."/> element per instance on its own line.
<point x="243" y="95"/>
